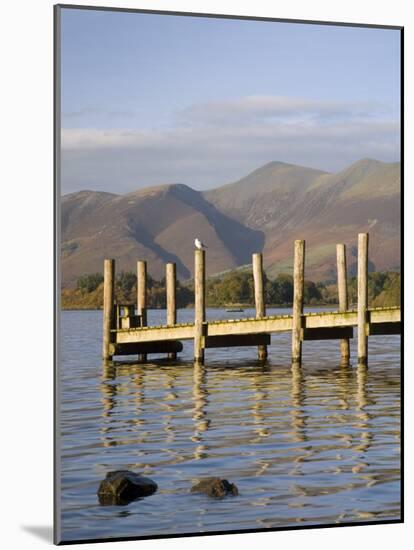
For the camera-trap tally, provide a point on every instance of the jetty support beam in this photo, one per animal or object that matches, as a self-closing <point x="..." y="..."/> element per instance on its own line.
<point x="362" y="298"/>
<point x="328" y="333"/>
<point x="237" y="340"/>
<point x="108" y="306"/>
<point x="171" y="292"/>
<point x="199" y="304"/>
<point x="298" y="289"/>
<point x="134" y="348"/>
<point x="342" y="296"/>
<point x="257" y="261"/>
<point x="382" y="329"/>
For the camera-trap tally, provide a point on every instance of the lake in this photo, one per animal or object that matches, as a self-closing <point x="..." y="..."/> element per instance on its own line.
<point x="316" y="445"/>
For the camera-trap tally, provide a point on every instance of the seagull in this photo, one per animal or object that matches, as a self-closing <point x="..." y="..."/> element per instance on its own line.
<point x="198" y="244"/>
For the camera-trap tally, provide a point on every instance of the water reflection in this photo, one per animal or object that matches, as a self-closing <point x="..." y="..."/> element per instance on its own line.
<point x="259" y="399"/>
<point x="306" y="444"/>
<point x="298" y="423"/>
<point x="363" y="416"/>
<point x="363" y="423"/>
<point x="199" y="415"/>
<point x="344" y="381"/>
<point x="169" y="405"/>
<point x="123" y="386"/>
<point x="316" y="445"/>
<point x="108" y="389"/>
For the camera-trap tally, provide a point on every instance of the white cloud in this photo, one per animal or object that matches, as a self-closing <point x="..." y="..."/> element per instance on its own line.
<point x="215" y="143"/>
<point x="268" y="108"/>
<point x="98" y="112"/>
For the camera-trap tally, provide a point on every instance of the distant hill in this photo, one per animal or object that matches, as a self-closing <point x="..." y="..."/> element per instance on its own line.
<point x="266" y="196"/>
<point x="292" y="202"/>
<point x="266" y="210"/>
<point x="157" y="224"/>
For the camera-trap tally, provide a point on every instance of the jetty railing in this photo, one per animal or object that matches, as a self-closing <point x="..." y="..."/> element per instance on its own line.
<point x="127" y="333"/>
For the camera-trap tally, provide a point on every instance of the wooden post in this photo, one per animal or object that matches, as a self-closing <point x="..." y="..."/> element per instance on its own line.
<point x="362" y="298"/>
<point x="170" y="287"/>
<point x="199" y="304"/>
<point x="298" y="287"/>
<point x="342" y="295"/>
<point x="108" y="305"/>
<point x="142" y="298"/>
<point x="259" y="297"/>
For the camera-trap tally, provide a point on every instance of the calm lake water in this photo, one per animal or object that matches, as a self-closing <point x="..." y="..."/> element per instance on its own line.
<point x="317" y="445"/>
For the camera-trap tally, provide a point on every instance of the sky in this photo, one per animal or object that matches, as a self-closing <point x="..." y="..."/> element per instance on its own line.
<point x="152" y="99"/>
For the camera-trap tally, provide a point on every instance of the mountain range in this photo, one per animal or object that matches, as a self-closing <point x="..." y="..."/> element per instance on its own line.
<point x="264" y="211"/>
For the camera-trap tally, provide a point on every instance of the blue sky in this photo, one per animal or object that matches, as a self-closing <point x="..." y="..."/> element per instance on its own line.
<point x="150" y="99"/>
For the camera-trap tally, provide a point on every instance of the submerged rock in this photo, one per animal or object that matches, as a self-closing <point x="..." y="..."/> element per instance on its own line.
<point x="215" y="487"/>
<point x="122" y="487"/>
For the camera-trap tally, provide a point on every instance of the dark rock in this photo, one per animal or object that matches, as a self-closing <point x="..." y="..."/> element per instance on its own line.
<point x="215" y="487"/>
<point x="123" y="486"/>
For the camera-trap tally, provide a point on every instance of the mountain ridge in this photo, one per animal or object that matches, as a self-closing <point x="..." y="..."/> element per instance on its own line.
<point x="264" y="211"/>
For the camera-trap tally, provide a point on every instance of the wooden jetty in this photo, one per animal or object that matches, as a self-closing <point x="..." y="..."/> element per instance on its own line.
<point x="125" y="332"/>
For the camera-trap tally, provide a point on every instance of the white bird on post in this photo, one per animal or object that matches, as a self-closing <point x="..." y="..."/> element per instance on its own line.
<point x="198" y="244"/>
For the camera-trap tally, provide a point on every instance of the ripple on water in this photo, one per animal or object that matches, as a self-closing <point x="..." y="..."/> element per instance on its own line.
<point x="317" y="445"/>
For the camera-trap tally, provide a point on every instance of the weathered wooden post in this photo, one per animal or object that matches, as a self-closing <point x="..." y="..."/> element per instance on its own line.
<point x="362" y="298"/>
<point x="199" y="304"/>
<point x="142" y="298"/>
<point x="342" y="295"/>
<point x="298" y="288"/>
<point x="108" y="305"/>
<point x="170" y="287"/>
<point x="259" y="297"/>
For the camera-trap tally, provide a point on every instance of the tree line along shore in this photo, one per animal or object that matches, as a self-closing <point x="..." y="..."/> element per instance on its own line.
<point x="234" y="288"/>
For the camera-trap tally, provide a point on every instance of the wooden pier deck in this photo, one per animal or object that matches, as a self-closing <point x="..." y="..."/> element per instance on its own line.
<point x="127" y="333"/>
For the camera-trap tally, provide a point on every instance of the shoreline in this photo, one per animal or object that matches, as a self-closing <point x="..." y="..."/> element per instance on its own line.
<point x="268" y="306"/>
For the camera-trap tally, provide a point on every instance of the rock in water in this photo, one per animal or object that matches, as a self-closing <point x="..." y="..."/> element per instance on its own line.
<point x="123" y="486"/>
<point x="215" y="487"/>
